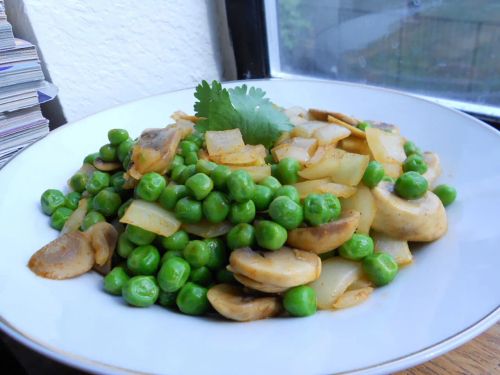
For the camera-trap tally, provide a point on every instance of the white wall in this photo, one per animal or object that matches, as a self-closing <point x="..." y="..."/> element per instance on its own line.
<point x="101" y="53"/>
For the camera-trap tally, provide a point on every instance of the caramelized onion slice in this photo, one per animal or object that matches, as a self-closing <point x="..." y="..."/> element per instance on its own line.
<point x="67" y="256"/>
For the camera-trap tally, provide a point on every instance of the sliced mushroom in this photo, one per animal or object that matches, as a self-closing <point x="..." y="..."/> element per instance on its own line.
<point x="67" y="256"/>
<point x="433" y="168"/>
<point x="107" y="166"/>
<point x="232" y="303"/>
<point x="285" y="267"/>
<point x="421" y="219"/>
<point x="103" y="237"/>
<point x="154" y="151"/>
<point x="326" y="237"/>
<point x="252" y="284"/>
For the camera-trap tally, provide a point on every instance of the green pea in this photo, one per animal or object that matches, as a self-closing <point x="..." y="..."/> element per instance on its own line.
<point x="199" y="186"/>
<point x="78" y="182"/>
<point x="219" y="176"/>
<point x="446" y="193"/>
<point x="188" y="210"/>
<point x="117" y="136"/>
<point x="98" y="181"/>
<point x="411" y="185"/>
<point x="139" y="236"/>
<point x="357" y="247"/>
<point x="380" y="267"/>
<point x="124" y="149"/>
<point x="270" y="235"/>
<point x="196" y="253"/>
<point x="192" y="299"/>
<point x="177" y="161"/>
<point x="218" y="256"/>
<point x="240" y="186"/>
<point x="127" y="160"/>
<point x="334" y="207"/>
<point x="216" y="207"/>
<point x="241" y="235"/>
<point x="72" y="199"/>
<point x="271" y="182"/>
<point x="262" y="197"/>
<point x="374" y="173"/>
<point x="115" y="280"/>
<point x="243" y="212"/>
<point x="191" y="158"/>
<point x="170" y="254"/>
<point x="107" y="202"/>
<point x="286" y="212"/>
<point x="59" y="217"/>
<point x="410" y="148"/>
<point x="108" y="153"/>
<point x="177" y="172"/>
<point x="188" y="147"/>
<point x="90" y="158"/>
<point x="167" y="299"/>
<point x="363" y="125"/>
<point x="187" y="172"/>
<point x="52" y="199"/>
<point x="175" y="242"/>
<point x="205" y="166"/>
<point x="316" y="210"/>
<point x="288" y="191"/>
<point x="143" y="260"/>
<point x="124" y="246"/>
<point x="201" y="276"/>
<point x="288" y="171"/>
<point x="300" y="301"/>
<point x="416" y="163"/>
<point x="117" y="181"/>
<point x="225" y="277"/>
<point x="150" y="186"/>
<point x="173" y="274"/>
<point x="123" y="208"/>
<point x="171" y="194"/>
<point x="274" y="171"/>
<point x="141" y="291"/>
<point x="195" y="137"/>
<point x="269" y="159"/>
<point x="91" y="218"/>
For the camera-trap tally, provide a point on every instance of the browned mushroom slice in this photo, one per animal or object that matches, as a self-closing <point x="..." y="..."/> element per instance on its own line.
<point x="232" y="303"/>
<point x="154" y="151"/>
<point x="67" y="256"/>
<point x="107" y="166"/>
<point x="327" y="236"/>
<point x="103" y="237"/>
<point x="252" y="284"/>
<point x="283" y="268"/>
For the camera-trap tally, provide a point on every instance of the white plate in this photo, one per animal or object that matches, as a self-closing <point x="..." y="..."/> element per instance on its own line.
<point x="449" y="295"/>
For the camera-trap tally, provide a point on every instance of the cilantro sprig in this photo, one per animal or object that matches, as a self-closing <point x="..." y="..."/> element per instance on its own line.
<point x="259" y="121"/>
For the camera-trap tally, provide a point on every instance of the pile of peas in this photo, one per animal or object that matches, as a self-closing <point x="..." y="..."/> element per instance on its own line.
<point x="178" y="270"/>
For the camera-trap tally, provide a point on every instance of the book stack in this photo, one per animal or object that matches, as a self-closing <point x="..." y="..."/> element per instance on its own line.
<point x="22" y="90"/>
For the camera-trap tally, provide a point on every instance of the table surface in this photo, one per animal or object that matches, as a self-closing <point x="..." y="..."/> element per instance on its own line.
<point x="478" y="357"/>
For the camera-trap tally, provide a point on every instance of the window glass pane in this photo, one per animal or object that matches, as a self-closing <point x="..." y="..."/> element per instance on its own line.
<point x="442" y="48"/>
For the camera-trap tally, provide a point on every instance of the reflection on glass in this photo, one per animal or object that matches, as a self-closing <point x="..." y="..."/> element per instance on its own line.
<point x="443" y="48"/>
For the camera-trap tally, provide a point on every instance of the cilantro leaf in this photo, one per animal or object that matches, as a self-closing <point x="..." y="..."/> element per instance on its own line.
<point x="247" y="109"/>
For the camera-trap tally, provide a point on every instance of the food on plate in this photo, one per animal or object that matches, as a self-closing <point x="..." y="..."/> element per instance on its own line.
<point x="246" y="209"/>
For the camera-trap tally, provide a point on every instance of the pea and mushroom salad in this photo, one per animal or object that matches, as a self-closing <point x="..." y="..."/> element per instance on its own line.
<point x="246" y="209"/>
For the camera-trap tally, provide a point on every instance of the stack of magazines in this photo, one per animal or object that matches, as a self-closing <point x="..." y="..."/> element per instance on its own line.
<point x="22" y="90"/>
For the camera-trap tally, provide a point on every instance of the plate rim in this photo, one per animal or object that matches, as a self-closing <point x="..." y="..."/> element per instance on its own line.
<point x="396" y="364"/>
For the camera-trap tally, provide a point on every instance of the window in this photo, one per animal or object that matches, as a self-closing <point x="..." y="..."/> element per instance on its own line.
<point x="448" y="50"/>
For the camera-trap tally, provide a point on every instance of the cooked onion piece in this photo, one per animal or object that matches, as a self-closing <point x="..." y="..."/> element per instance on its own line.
<point x="352" y="298"/>
<point x="433" y="168"/>
<point x="336" y="276"/>
<point x="75" y="221"/>
<point x="224" y="142"/>
<point x="103" y="237"/>
<point x="363" y="202"/>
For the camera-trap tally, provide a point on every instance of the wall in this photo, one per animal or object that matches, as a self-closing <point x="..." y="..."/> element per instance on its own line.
<point x="104" y="53"/>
